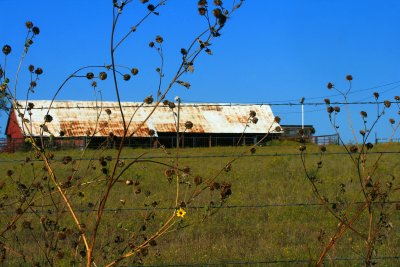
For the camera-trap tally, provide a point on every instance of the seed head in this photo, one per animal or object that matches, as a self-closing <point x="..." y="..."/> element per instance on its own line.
<point x="94" y="84"/>
<point x="31" y="68"/>
<point x="48" y="118"/>
<point x="221" y="20"/>
<point x="362" y="132"/>
<point x="108" y="111"/>
<point x="184" y="51"/>
<point x="363" y="114"/>
<point x="278" y="129"/>
<point x="29" y="24"/>
<point x="39" y="71"/>
<point x="151" y="132"/>
<point x="376" y="95"/>
<point x="254" y="120"/>
<point x="218" y="2"/>
<point x="6" y="49"/>
<point x="277" y="119"/>
<point x="397" y="98"/>
<point x="144" y="1"/>
<point x="165" y="102"/>
<point x="330" y="85"/>
<point x="103" y="75"/>
<point x="202" y="11"/>
<point x="322" y="148"/>
<point x="151" y="44"/>
<point x="33" y="84"/>
<point x="148" y="100"/>
<point x="369" y="146"/>
<point x="327" y="101"/>
<point x="337" y="109"/>
<point x="387" y="103"/>
<point x="89" y="75"/>
<point x="171" y="105"/>
<point x="302" y="148"/>
<point x="330" y="109"/>
<point x="127" y="77"/>
<point x="252" y="113"/>
<point x="35" y="30"/>
<point x="151" y="8"/>
<point x="253" y="150"/>
<point x="392" y="121"/>
<point x="202" y="3"/>
<point x="217" y="13"/>
<point x="349" y="77"/>
<point x="188" y="125"/>
<point x="353" y="149"/>
<point x="159" y="39"/>
<point x="134" y="71"/>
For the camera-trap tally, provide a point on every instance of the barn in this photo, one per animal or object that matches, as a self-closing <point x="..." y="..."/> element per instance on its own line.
<point x="78" y="123"/>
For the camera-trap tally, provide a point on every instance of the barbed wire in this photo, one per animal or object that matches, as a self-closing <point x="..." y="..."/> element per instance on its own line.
<point x="268" y="262"/>
<point x="259" y="206"/>
<point x="183" y="105"/>
<point x="210" y="156"/>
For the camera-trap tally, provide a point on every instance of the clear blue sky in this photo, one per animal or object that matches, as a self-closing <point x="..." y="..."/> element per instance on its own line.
<point x="269" y="51"/>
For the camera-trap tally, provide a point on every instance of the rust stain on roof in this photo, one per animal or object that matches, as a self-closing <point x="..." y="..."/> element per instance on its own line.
<point x="76" y="118"/>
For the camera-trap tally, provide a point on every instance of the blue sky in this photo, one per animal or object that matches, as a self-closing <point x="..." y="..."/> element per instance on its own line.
<point x="269" y="52"/>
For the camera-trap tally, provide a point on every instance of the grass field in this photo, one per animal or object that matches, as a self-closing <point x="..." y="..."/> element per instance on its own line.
<point x="272" y="216"/>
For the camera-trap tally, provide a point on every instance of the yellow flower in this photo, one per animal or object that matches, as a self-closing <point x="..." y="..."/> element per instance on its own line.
<point x="181" y="213"/>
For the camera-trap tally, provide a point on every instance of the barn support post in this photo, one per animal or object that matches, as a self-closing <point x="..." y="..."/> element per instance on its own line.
<point x="209" y="141"/>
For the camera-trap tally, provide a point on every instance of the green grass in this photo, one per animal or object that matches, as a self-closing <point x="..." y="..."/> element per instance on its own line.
<point x="257" y="224"/>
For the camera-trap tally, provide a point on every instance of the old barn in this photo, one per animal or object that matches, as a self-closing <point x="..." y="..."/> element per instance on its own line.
<point x="77" y="123"/>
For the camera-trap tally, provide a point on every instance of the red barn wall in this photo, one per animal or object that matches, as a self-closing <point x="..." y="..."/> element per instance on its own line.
<point x="13" y="130"/>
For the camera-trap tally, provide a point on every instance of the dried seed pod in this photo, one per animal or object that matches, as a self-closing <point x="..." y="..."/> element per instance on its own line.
<point x="277" y="119"/>
<point x="363" y="114"/>
<point x="6" y="49"/>
<point x="36" y="30"/>
<point x="103" y="75"/>
<point x="134" y="71"/>
<point x="353" y="149"/>
<point x="188" y="125"/>
<point x="48" y="118"/>
<point x="202" y="11"/>
<point x="387" y="103"/>
<point x="159" y="39"/>
<point x="89" y="75"/>
<point x="217" y="12"/>
<point x="29" y="24"/>
<point x="148" y="100"/>
<point x="39" y="71"/>
<point x="171" y="105"/>
<point x="127" y="77"/>
<point x="349" y="77"/>
<point x="330" y="85"/>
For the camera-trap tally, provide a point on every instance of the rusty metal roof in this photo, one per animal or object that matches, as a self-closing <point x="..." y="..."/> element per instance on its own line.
<point x="78" y="118"/>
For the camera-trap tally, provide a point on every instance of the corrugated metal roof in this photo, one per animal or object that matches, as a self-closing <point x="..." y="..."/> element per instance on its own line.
<point x="78" y="118"/>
